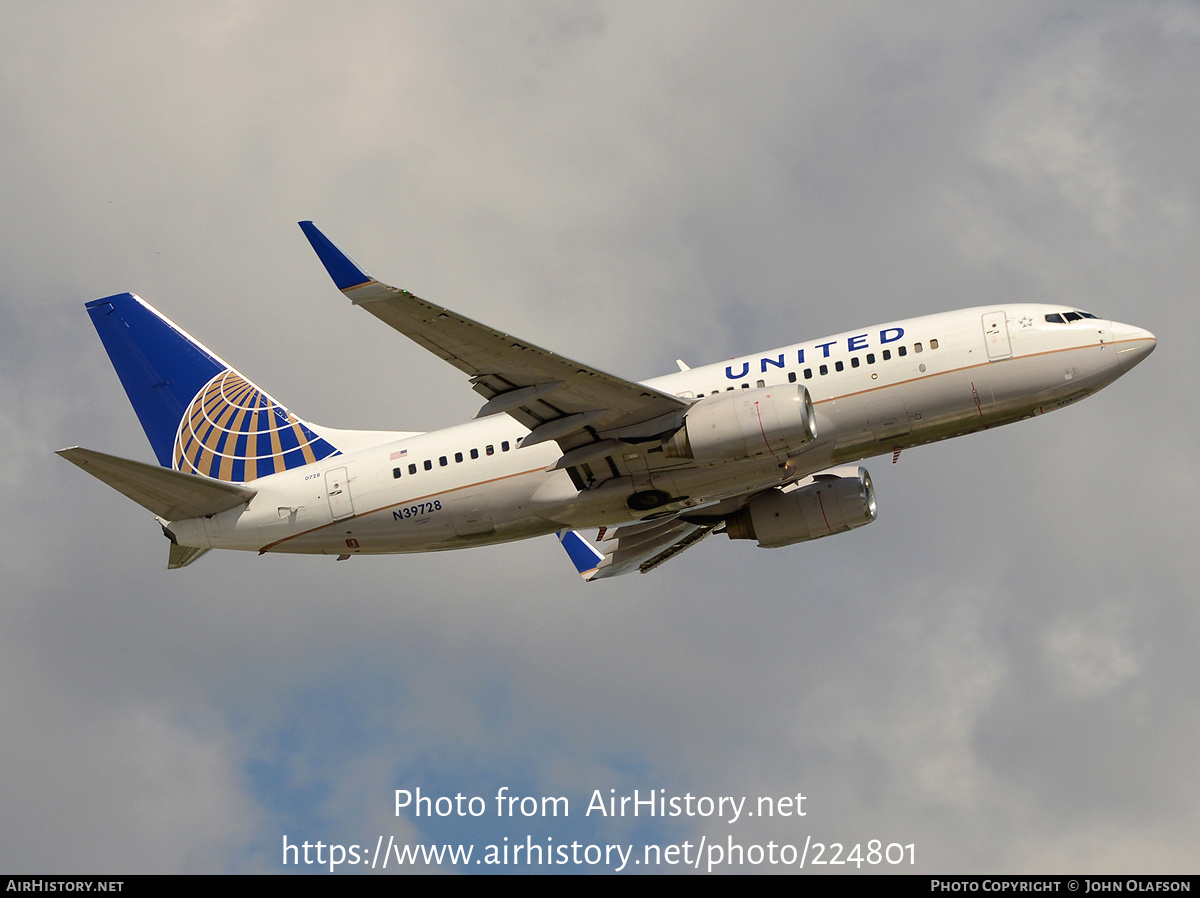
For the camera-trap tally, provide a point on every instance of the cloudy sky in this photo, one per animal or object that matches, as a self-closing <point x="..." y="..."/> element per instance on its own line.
<point x="1001" y="670"/>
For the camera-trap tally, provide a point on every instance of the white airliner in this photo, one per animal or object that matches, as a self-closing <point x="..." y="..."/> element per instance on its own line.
<point x="763" y="447"/>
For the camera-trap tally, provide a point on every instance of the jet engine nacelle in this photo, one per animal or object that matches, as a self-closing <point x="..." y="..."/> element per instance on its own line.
<point x="746" y="424"/>
<point x="831" y="502"/>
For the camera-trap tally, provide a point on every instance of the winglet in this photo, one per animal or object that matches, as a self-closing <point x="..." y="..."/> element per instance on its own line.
<point x="583" y="554"/>
<point x="346" y="273"/>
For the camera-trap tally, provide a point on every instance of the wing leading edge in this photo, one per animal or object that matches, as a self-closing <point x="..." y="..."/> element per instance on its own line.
<point x="555" y="397"/>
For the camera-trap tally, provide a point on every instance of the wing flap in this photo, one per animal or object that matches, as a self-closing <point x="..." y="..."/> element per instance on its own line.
<point x="641" y="547"/>
<point x="172" y="495"/>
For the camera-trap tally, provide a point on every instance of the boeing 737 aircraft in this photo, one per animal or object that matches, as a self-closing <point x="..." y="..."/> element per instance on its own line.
<point x="763" y="447"/>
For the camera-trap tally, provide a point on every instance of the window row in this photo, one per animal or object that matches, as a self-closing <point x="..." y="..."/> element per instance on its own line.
<point x="840" y="365"/>
<point x="443" y="461"/>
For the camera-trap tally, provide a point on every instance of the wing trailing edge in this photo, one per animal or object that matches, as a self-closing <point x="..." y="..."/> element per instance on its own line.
<point x="641" y="547"/>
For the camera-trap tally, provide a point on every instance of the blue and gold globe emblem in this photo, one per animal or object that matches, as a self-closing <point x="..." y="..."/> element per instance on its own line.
<point x="234" y="431"/>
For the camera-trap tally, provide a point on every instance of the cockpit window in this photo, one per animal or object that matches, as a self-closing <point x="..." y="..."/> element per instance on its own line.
<point x="1068" y="317"/>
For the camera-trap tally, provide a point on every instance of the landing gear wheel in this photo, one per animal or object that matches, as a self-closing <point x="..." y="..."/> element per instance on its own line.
<point x="646" y="500"/>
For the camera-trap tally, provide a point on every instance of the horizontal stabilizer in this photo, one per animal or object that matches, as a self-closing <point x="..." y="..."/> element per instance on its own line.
<point x="182" y="556"/>
<point x="172" y="495"/>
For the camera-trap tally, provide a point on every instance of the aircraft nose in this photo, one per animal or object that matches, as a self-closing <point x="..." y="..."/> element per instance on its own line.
<point x="1133" y="344"/>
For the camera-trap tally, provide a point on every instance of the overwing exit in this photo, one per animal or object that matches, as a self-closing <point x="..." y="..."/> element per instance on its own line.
<point x="628" y="475"/>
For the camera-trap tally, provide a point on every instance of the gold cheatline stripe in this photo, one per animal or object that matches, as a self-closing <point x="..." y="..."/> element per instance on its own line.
<point x="361" y="514"/>
<point x="468" y="486"/>
<point x="968" y="368"/>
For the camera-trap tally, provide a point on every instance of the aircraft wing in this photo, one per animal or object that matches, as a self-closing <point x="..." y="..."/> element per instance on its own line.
<point x="642" y="547"/>
<point x="555" y="397"/>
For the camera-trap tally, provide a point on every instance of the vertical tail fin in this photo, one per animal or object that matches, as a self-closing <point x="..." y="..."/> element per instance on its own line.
<point x="200" y="415"/>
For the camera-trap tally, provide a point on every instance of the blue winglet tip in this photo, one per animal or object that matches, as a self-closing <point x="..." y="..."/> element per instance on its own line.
<point x="583" y="554"/>
<point x="345" y="272"/>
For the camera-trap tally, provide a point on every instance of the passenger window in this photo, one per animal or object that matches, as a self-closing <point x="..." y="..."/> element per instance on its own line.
<point x="887" y="354"/>
<point x="745" y="386"/>
<point x="442" y="461"/>
<point x="855" y="362"/>
<point x="729" y="389"/>
<point x="490" y="450"/>
<point x="916" y="347"/>
<point x="428" y="465"/>
<point x="395" y="473"/>
<point x="791" y="377"/>
<point x="838" y="366"/>
<point x="412" y="469"/>
<point x="474" y="453"/>
<point x="824" y="369"/>
<point x="808" y="373"/>
<point x="761" y="384"/>
<point x="504" y="446"/>
<point x="458" y="456"/>
<point x="870" y="358"/>
<point x="933" y="344"/>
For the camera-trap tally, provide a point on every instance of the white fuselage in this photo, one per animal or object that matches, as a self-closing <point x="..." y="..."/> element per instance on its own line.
<point x="877" y="389"/>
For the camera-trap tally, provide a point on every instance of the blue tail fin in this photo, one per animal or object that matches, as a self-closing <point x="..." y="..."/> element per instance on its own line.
<point x="200" y="415"/>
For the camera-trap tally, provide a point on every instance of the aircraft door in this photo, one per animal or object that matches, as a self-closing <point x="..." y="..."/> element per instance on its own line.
<point x="337" y="488"/>
<point x="995" y="336"/>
